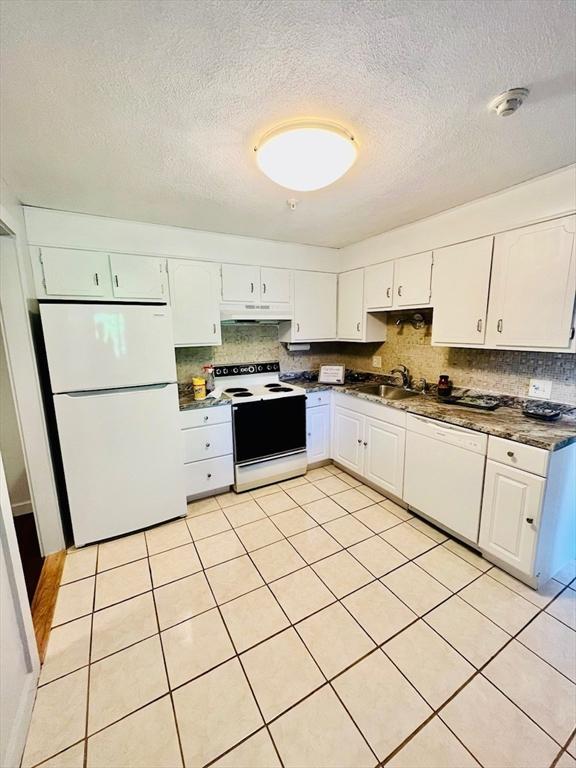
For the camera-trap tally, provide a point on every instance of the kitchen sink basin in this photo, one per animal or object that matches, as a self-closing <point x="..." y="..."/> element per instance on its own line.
<point x="386" y="391"/>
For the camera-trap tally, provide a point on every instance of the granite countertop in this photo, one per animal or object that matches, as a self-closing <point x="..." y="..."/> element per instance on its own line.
<point x="188" y="403"/>
<point x="507" y="422"/>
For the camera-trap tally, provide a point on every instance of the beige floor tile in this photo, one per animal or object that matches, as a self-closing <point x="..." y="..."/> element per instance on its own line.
<point x="377" y="555"/>
<point x="349" y="480"/>
<point x="304" y="494"/>
<point x="195" y="646"/>
<point x="408" y="540"/>
<point x="231" y="499"/>
<point x="332" y="469"/>
<point x="167" y="536"/>
<point x="571" y="746"/>
<point x="506" y="608"/>
<point x="79" y="564"/>
<point x="123" y="624"/>
<point x="552" y="641"/>
<point x="253" y="617"/>
<point x="565" y="761"/>
<point x="331" y="484"/>
<point x="233" y="578"/>
<point x="73" y="757"/>
<point x="352" y="500"/>
<point x="416" y="588"/>
<point x="65" y="699"/>
<point x="342" y="574"/>
<point x="429" y="530"/>
<point x="371" y="493"/>
<point x="266" y="490"/>
<point x="378" y="611"/>
<point x="144" y="739"/>
<point x="219" y="548"/>
<point x="564" y="608"/>
<point x="396" y="509"/>
<point x="121" y="551"/>
<point x="385" y="720"/>
<point x="566" y="574"/>
<point x="540" y="597"/>
<point x="124" y="682"/>
<point x="318" y="733"/>
<point x="433" y="667"/>
<point x="314" y="544"/>
<point x="256" y="752"/>
<point x="476" y="637"/>
<point x="201" y="506"/>
<point x="259" y="534"/>
<point x="433" y="747"/>
<point x="245" y="512"/>
<point x="537" y="688"/>
<point x="277" y="560"/>
<point x="347" y="530"/>
<point x="448" y="568"/>
<point x="293" y="521"/>
<point x="68" y="649"/>
<point x="214" y="713"/>
<point x="468" y="554"/>
<point x="377" y="518"/>
<point x="281" y="672"/>
<point x="293" y="482"/>
<point x="174" y="564"/>
<point x="182" y="600"/>
<point x="319" y="473"/>
<point x="334" y="638"/>
<point x="208" y="524"/>
<point x="323" y="510"/>
<point x="301" y="593"/>
<point x="74" y="600"/>
<point x="495" y="730"/>
<point x="279" y="501"/>
<point x="121" y="583"/>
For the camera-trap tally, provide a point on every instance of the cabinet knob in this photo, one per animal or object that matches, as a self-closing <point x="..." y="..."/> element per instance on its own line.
<point x="96" y="279"/>
<point x="263" y="287"/>
<point x="388" y="292"/>
<point x="499" y="326"/>
<point x="530" y="520"/>
<point x="399" y="290"/>
<point x="205" y="418"/>
<point x="365" y="444"/>
<point x="358" y="327"/>
<point x="359" y="442"/>
<point x="510" y="454"/>
<point x="209" y="475"/>
<point x="251" y="287"/>
<point x="309" y="434"/>
<point x="479" y="325"/>
<point x="298" y="327"/>
<point x="207" y="445"/>
<point x="214" y="328"/>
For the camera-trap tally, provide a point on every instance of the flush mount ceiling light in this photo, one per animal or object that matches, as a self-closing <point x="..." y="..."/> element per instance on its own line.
<point x="306" y="154"/>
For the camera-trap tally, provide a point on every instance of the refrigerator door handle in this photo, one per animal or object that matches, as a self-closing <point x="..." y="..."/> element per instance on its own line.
<point x="117" y="390"/>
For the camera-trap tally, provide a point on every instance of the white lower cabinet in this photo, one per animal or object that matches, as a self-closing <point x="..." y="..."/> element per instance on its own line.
<point x="208" y="449"/>
<point x="318" y="433"/>
<point x="384" y="455"/>
<point x="348" y="431"/>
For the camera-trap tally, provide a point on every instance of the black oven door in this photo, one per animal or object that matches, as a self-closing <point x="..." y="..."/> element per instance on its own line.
<point x="268" y="428"/>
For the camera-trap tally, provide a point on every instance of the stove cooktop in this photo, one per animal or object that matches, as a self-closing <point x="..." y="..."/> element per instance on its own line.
<point x="249" y="382"/>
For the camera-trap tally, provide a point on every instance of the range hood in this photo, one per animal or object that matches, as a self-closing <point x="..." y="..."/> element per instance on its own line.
<point x="250" y="314"/>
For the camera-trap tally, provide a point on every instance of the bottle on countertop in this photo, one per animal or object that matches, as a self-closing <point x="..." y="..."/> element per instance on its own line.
<point x="444" y="386"/>
<point x="209" y="374"/>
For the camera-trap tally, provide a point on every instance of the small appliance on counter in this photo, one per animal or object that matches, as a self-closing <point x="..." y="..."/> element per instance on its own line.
<point x="541" y="410"/>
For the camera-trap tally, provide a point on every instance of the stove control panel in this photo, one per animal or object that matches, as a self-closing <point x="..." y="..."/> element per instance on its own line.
<point x="245" y="369"/>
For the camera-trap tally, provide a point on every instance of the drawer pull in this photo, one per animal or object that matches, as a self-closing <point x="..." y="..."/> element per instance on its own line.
<point x="207" y="445"/>
<point x="359" y="442"/>
<point x="365" y="444"/>
<point x="205" y="418"/>
<point x="510" y="454"/>
<point x="387" y="293"/>
<point x="209" y="475"/>
<point x="530" y="520"/>
<point x="479" y="326"/>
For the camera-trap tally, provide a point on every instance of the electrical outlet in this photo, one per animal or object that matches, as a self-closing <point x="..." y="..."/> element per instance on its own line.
<point x="540" y="388"/>
<point x="376" y="361"/>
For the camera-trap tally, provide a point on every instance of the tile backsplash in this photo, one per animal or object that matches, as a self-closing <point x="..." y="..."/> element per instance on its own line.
<point x="489" y="370"/>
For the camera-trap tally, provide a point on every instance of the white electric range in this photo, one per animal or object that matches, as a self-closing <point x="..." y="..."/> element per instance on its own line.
<point x="269" y="423"/>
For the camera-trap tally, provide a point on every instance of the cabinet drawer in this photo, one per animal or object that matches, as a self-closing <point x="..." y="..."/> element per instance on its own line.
<point x="317" y="398"/>
<point x="207" y="442"/>
<point x="208" y="475"/>
<point x="200" y="417"/>
<point x="518" y="455"/>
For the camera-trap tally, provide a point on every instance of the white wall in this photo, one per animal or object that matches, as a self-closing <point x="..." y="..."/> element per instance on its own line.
<point x="77" y="230"/>
<point x="545" y="197"/>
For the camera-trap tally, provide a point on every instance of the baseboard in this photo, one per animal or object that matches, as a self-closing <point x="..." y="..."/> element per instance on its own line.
<point x="44" y="600"/>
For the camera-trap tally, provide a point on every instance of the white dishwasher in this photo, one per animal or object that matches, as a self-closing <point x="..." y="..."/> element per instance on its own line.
<point x="444" y="474"/>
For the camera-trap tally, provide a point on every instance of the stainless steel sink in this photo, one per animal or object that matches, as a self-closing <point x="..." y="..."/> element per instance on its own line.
<point x="386" y="391"/>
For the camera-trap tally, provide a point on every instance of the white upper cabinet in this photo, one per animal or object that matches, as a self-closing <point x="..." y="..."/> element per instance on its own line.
<point x="240" y="283"/>
<point x="379" y="286"/>
<point x="412" y="280"/>
<point x="194" y="298"/>
<point x="351" y="304"/>
<point x="275" y="285"/>
<point x="460" y="284"/>
<point x="66" y="272"/>
<point x="314" y="313"/>
<point x="533" y="287"/>
<point x="137" y="277"/>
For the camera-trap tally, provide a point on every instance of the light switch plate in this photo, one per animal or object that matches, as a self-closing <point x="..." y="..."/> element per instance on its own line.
<point x="376" y="361"/>
<point x="540" y="388"/>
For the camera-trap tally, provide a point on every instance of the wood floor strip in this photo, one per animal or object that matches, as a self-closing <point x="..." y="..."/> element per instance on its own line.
<point x="44" y="600"/>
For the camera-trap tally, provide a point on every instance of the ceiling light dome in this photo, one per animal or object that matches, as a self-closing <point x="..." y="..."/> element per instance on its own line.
<point x="306" y="154"/>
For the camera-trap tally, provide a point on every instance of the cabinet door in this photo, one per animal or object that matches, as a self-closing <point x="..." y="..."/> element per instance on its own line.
<point x="137" y="277"/>
<point x="194" y="297"/>
<point x="314" y="306"/>
<point x="510" y="515"/>
<point x="240" y="283"/>
<point x="74" y="273"/>
<point x="412" y="280"/>
<point x="533" y="286"/>
<point x="379" y="286"/>
<point x="460" y="284"/>
<point x="318" y="433"/>
<point x="384" y="455"/>
<point x="347" y="439"/>
<point x="350" y="304"/>
<point x="274" y="285"/>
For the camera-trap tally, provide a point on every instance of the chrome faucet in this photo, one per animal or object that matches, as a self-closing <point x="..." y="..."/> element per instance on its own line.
<point x="404" y="373"/>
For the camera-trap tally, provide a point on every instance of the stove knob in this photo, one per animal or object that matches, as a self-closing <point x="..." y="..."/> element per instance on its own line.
<point x="269" y="367"/>
<point x="260" y="368"/>
<point x="234" y="370"/>
<point x="225" y="371"/>
<point x="251" y="369"/>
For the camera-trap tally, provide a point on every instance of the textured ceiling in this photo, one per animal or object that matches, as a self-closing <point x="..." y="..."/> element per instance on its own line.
<point x="147" y="110"/>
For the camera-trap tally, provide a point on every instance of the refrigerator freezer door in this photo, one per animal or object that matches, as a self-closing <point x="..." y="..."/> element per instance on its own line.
<point x="107" y="346"/>
<point x="122" y="455"/>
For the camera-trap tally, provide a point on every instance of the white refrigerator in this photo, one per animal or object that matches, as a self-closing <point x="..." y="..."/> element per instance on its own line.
<point x="113" y="379"/>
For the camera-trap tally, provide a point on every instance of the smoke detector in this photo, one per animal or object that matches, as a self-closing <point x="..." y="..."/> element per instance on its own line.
<point x="508" y="102"/>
